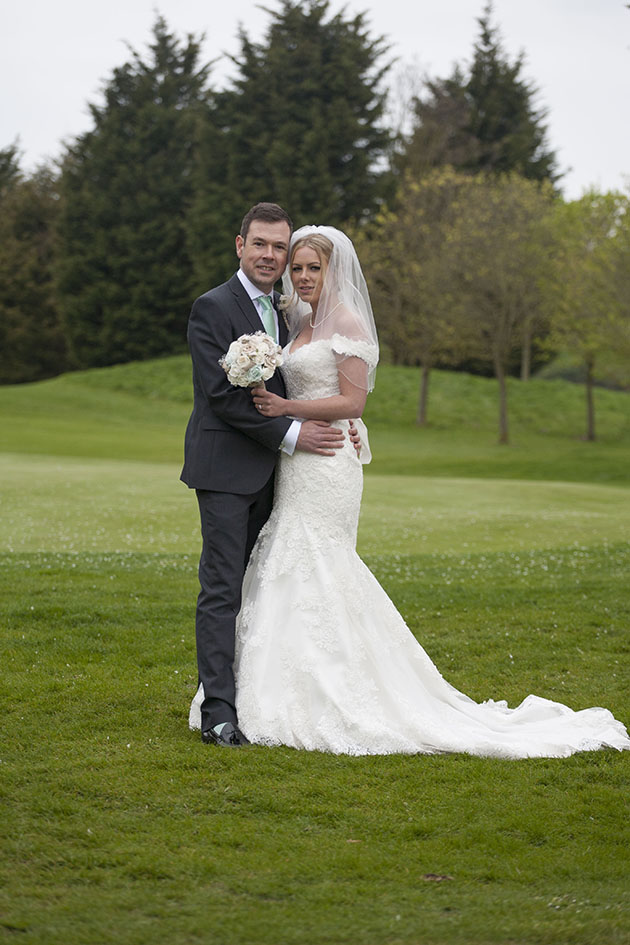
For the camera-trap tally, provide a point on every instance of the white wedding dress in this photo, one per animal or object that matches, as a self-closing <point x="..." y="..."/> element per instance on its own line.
<point x="325" y="662"/>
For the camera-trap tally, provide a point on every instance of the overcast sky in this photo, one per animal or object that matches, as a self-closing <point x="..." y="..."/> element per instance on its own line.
<point x="55" y="57"/>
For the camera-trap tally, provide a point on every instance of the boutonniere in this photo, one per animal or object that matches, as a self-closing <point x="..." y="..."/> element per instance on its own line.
<point x="283" y="304"/>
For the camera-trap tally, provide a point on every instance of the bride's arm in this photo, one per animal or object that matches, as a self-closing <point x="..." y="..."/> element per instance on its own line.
<point x="348" y="403"/>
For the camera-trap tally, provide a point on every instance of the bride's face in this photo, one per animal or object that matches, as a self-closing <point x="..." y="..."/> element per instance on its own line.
<point x="307" y="275"/>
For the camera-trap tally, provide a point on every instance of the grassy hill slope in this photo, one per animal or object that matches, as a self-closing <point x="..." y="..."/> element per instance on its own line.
<point x="138" y="412"/>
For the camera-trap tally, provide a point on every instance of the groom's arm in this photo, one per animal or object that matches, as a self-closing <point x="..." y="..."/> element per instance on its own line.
<point x="210" y="334"/>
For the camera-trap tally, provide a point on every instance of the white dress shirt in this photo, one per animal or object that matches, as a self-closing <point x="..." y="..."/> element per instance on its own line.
<point x="290" y="438"/>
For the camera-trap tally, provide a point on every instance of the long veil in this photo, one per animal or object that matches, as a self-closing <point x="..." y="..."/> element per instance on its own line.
<point x="344" y="313"/>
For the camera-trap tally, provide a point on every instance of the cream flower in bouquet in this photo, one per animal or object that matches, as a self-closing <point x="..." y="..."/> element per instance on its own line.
<point x="251" y="360"/>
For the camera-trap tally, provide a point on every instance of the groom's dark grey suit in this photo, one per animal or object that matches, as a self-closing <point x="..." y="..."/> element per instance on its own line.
<point x="230" y="455"/>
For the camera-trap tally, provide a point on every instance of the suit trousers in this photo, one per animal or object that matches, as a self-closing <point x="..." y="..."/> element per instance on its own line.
<point x="230" y="524"/>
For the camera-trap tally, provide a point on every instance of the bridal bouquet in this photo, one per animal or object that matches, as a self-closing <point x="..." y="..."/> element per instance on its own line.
<point x="251" y="360"/>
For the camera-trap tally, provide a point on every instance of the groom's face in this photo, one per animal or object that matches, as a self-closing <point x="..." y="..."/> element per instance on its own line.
<point x="263" y="253"/>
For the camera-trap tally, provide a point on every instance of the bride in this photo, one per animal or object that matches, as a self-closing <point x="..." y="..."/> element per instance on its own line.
<point x="324" y="661"/>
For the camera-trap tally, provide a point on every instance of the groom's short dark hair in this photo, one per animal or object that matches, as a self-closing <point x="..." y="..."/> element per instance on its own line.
<point x="268" y="213"/>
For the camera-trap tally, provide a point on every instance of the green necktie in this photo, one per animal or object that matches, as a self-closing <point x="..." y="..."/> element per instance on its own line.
<point x="267" y="316"/>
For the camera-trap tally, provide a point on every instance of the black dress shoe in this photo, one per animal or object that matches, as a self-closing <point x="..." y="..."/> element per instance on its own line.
<point x="230" y="736"/>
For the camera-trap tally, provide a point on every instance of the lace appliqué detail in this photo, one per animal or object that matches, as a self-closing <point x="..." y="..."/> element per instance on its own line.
<point x="357" y="349"/>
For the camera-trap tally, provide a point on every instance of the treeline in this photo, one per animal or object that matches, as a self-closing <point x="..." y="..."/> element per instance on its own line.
<point x="492" y="272"/>
<point x="473" y="257"/>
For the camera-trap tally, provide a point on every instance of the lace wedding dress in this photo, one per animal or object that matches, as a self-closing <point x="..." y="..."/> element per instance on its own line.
<point x="325" y="661"/>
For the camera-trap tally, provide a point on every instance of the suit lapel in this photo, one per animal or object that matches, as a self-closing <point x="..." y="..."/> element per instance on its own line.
<point x="248" y="309"/>
<point x="245" y="304"/>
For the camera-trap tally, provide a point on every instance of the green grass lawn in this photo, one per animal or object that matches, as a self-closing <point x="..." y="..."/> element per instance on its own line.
<point x="509" y="564"/>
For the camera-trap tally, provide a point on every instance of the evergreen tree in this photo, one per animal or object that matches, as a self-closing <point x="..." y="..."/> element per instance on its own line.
<point x="504" y="121"/>
<point x="31" y="339"/>
<point x="9" y="167"/>
<point x="441" y="134"/>
<point x="484" y="120"/>
<point x="300" y="126"/>
<point x="126" y="278"/>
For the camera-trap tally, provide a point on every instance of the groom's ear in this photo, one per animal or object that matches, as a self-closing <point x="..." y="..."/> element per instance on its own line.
<point x="240" y="242"/>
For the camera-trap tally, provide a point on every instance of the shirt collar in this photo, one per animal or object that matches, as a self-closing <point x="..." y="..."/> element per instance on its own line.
<point x="252" y="290"/>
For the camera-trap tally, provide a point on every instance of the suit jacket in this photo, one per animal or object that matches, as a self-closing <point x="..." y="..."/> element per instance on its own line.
<point x="228" y="447"/>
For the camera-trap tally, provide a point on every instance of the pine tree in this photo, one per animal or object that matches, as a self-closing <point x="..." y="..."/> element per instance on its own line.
<point x="441" y="134"/>
<point x="10" y="171"/>
<point x="31" y="338"/>
<point x="504" y="120"/>
<point x="484" y="119"/>
<point x="300" y="126"/>
<point x="126" y="277"/>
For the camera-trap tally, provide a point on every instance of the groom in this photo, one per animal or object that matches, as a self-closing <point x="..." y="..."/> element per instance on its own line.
<point x="231" y="451"/>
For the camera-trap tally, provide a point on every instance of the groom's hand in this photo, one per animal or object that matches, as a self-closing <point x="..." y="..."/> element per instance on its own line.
<point x="318" y="436"/>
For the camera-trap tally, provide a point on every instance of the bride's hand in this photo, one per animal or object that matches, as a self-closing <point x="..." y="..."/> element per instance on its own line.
<point x="355" y="439"/>
<point x="268" y="404"/>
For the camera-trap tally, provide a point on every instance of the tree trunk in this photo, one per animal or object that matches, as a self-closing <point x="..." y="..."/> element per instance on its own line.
<point x="421" y="417"/>
<point x="590" y="403"/>
<point x="499" y="371"/>
<point x="526" y="353"/>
